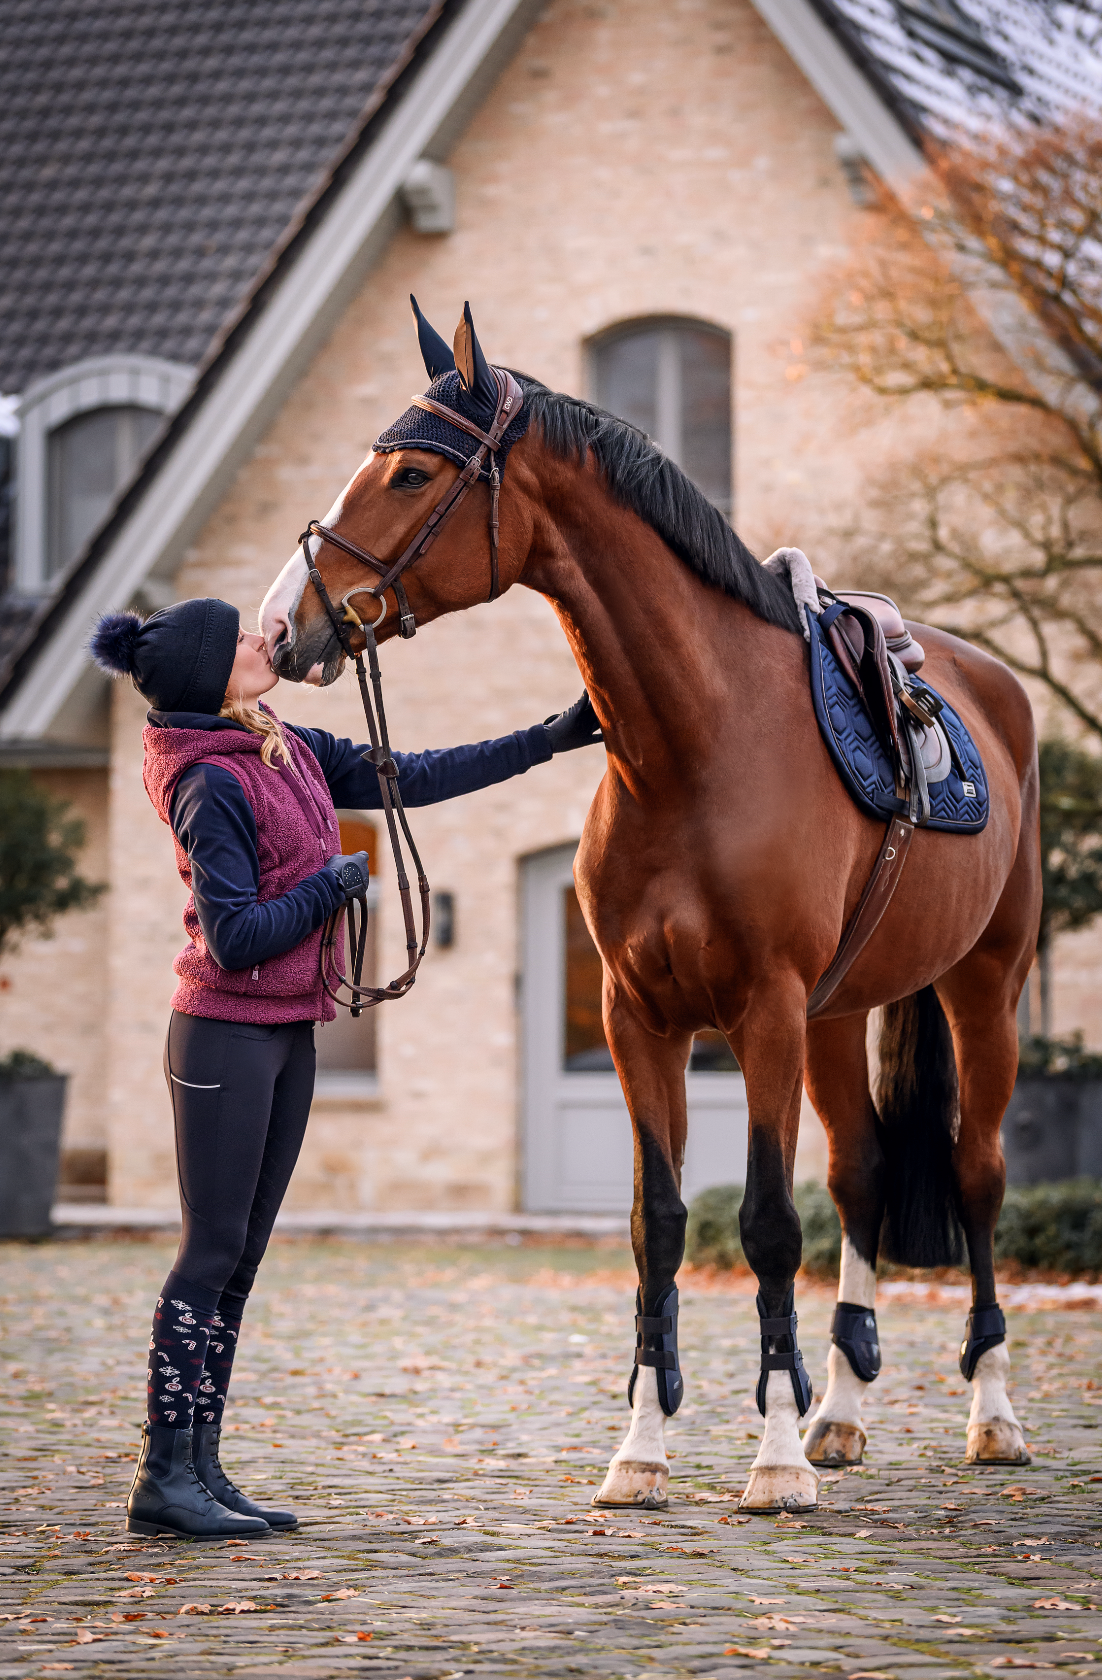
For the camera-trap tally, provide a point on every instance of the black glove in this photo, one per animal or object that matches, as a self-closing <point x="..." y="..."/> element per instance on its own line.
<point x="576" y="727"/>
<point x="351" y="871"/>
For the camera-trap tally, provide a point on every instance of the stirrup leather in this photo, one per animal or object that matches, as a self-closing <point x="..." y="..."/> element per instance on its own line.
<point x="985" y="1329"/>
<point x="853" y="1329"/>
<point x="780" y="1353"/>
<point x="656" y="1345"/>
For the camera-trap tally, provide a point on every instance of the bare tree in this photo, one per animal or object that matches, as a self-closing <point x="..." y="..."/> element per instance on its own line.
<point x="985" y="306"/>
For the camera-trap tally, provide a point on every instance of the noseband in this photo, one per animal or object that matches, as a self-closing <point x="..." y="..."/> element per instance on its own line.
<point x="509" y="404"/>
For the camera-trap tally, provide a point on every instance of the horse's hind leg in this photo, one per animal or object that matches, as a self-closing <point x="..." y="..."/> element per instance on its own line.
<point x="979" y="999"/>
<point x="652" y="1072"/>
<point x="837" y="1081"/>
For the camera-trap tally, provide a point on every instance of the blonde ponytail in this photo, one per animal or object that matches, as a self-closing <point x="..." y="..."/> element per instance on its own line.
<point x="259" y="723"/>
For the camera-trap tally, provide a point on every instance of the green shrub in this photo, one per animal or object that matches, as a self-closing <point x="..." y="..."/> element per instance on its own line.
<point x="1054" y="1227"/>
<point x="1057" y="1058"/>
<point x="21" y="1064"/>
<point x="712" y="1236"/>
<point x="1057" y="1227"/>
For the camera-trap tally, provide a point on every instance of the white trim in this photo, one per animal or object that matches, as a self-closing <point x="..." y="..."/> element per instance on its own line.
<point x="249" y="391"/>
<point x="96" y="382"/>
<point x="843" y="88"/>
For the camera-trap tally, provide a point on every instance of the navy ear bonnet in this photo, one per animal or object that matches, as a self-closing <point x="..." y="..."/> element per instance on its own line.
<point x="418" y="429"/>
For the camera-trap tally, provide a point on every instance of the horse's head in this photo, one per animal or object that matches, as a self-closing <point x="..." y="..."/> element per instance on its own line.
<point x="419" y="518"/>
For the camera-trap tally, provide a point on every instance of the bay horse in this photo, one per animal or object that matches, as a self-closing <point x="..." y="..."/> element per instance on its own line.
<point x="719" y="864"/>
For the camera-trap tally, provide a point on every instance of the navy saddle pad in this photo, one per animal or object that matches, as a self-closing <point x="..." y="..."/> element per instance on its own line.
<point x="863" y="763"/>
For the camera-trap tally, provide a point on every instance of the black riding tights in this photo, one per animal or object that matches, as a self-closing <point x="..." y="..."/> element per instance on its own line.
<point x="240" y="1099"/>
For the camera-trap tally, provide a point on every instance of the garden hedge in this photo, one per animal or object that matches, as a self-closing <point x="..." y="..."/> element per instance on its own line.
<point x="1056" y="1227"/>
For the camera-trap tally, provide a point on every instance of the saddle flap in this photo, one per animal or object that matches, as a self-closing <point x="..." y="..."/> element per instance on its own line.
<point x="856" y="638"/>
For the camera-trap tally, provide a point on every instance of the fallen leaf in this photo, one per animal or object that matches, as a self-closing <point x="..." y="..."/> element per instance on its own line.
<point x="870" y="1674"/>
<point x="862" y="1533"/>
<point x="137" y="1592"/>
<point x="299" y="1575"/>
<point x="945" y="1617"/>
<point x="1053" y="1604"/>
<point x="194" y="1610"/>
<point x="749" y="1651"/>
<point x="1020" y="1662"/>
<point x="503" y="1585"/>
<point x="48" y="1667"/>
<point x="345" y="1592"/>
<point x="140" y="1577"/>
<point x="237" y="1607"/>
<point x="754" y="1600"/>
<point x="351" y="1638"/>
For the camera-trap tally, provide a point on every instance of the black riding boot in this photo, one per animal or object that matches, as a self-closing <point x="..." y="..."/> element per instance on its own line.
<point x="168" y="1498"/>
<point x="214" y="1478"/>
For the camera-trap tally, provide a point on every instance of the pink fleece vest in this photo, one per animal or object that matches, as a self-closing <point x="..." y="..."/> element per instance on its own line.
<point x="296" y="832"/>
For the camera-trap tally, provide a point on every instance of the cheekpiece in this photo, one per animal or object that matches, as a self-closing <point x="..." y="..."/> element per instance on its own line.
<point x="418" y="428"/>
<point x="656" y="1345"/>
<point x="985" y="1329"/>
<point x="780" y="1353"/>
<point x="853" y="1329"/>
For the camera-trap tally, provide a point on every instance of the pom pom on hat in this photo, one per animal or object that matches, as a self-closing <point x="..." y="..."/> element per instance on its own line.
<point x="114" y="643"/>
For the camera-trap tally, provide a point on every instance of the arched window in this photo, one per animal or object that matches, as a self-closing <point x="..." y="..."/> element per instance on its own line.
<point x="89" y="460"/>
<point x="671" y="377"/>
<point x="82" y="434"/>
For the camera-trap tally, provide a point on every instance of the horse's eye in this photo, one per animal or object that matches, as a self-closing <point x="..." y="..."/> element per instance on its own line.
<point x="410" y="478"/>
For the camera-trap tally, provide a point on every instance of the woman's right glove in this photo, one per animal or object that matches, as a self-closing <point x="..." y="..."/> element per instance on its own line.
<point x="351" y="870"/>
<point x="576" y="727"/>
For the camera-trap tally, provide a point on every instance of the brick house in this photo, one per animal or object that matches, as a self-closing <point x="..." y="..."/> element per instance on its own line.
<point x="212" y="231"/>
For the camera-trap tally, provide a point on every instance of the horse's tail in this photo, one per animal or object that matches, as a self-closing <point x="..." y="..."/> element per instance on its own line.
<point x="917" y="1097"/>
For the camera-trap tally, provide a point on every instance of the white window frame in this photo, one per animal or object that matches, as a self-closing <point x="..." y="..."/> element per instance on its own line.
<point x="97" y="382"/>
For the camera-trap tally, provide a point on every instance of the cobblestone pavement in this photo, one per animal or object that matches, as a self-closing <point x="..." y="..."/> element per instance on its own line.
<point x="441" y="1417"/>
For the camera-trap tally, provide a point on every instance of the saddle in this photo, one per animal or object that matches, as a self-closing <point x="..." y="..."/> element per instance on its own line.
<point x="901" y="751"/>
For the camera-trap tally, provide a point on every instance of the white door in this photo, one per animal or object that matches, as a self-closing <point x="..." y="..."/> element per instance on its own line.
<point x="576" y="1130"/>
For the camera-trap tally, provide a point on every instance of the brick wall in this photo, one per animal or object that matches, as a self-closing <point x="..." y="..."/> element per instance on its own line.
<point x="634" y="159"/>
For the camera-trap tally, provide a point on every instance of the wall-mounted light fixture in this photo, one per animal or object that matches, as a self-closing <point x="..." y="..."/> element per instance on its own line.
<point x="429" y="194"/>
<point x="443" y="920"/>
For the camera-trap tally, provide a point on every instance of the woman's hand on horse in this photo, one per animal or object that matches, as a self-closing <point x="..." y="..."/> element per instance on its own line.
<point x="576" y="727"/>
<point x="351" y="870"/>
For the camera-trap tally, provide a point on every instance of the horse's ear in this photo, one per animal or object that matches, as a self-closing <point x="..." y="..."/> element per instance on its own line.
<point x="472" y="367"/>
<point x="438" y="358"/>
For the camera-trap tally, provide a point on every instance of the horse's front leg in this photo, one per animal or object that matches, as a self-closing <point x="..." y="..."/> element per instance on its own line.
<point x="769" y="1044"/>
<point x="652" y="1072"/>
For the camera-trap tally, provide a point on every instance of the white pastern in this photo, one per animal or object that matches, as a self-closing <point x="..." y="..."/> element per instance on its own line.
<point x="845" y="1392"/>
<point x="856" y="1279"/>
<point x="780" y="1479"/>
<point x="639" y="1473"/>
<point x="990" y="1401"/>
<point x="780" y="1444"/>
<point x="646" y="1439"/>
<point x="994" y="1433"/>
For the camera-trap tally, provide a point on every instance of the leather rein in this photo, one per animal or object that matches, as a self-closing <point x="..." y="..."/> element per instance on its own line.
<point x="344" y="622"/>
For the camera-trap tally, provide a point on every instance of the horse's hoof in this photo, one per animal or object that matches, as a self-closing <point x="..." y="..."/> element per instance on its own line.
<point x="781" y="1487"/>
<point x="630" y="1482"/>
<point x="834" y="1443"/>
<point x="997" y="1442"/>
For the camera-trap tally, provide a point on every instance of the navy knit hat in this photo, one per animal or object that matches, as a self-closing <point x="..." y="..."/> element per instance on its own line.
<point x="180" y="657"/>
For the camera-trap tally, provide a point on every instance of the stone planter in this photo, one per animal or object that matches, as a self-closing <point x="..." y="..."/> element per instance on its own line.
<point x="1052" y="1130"/>
<point x="31" y="1112"/>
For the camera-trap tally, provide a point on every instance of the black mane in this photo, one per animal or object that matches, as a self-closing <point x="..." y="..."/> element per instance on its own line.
<point x="642" y="478"/>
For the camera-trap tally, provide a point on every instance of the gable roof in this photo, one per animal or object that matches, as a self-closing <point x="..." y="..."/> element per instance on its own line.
<point x="154" y="158"/>
<point x="947" y="67"/>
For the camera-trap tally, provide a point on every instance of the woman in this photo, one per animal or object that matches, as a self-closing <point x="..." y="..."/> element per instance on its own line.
<point x="250" y="802"/>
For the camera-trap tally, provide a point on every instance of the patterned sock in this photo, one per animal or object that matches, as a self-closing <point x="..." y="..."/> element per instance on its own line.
<point x="178" y="1350"/>
<point x="215" y="1383"/>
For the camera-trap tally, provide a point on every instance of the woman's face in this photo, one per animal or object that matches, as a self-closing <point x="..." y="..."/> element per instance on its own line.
<point x="252" y="673"/>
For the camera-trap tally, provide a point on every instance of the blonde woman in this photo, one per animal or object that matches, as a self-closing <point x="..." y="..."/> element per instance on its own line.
<point x="250" y="803"/>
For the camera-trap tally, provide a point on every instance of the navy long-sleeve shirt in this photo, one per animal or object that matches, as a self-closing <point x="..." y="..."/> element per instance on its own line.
<point x="214" y="823"/>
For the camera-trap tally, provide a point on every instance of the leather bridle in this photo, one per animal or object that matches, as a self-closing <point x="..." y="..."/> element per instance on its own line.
<point x="510" y="401"/>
